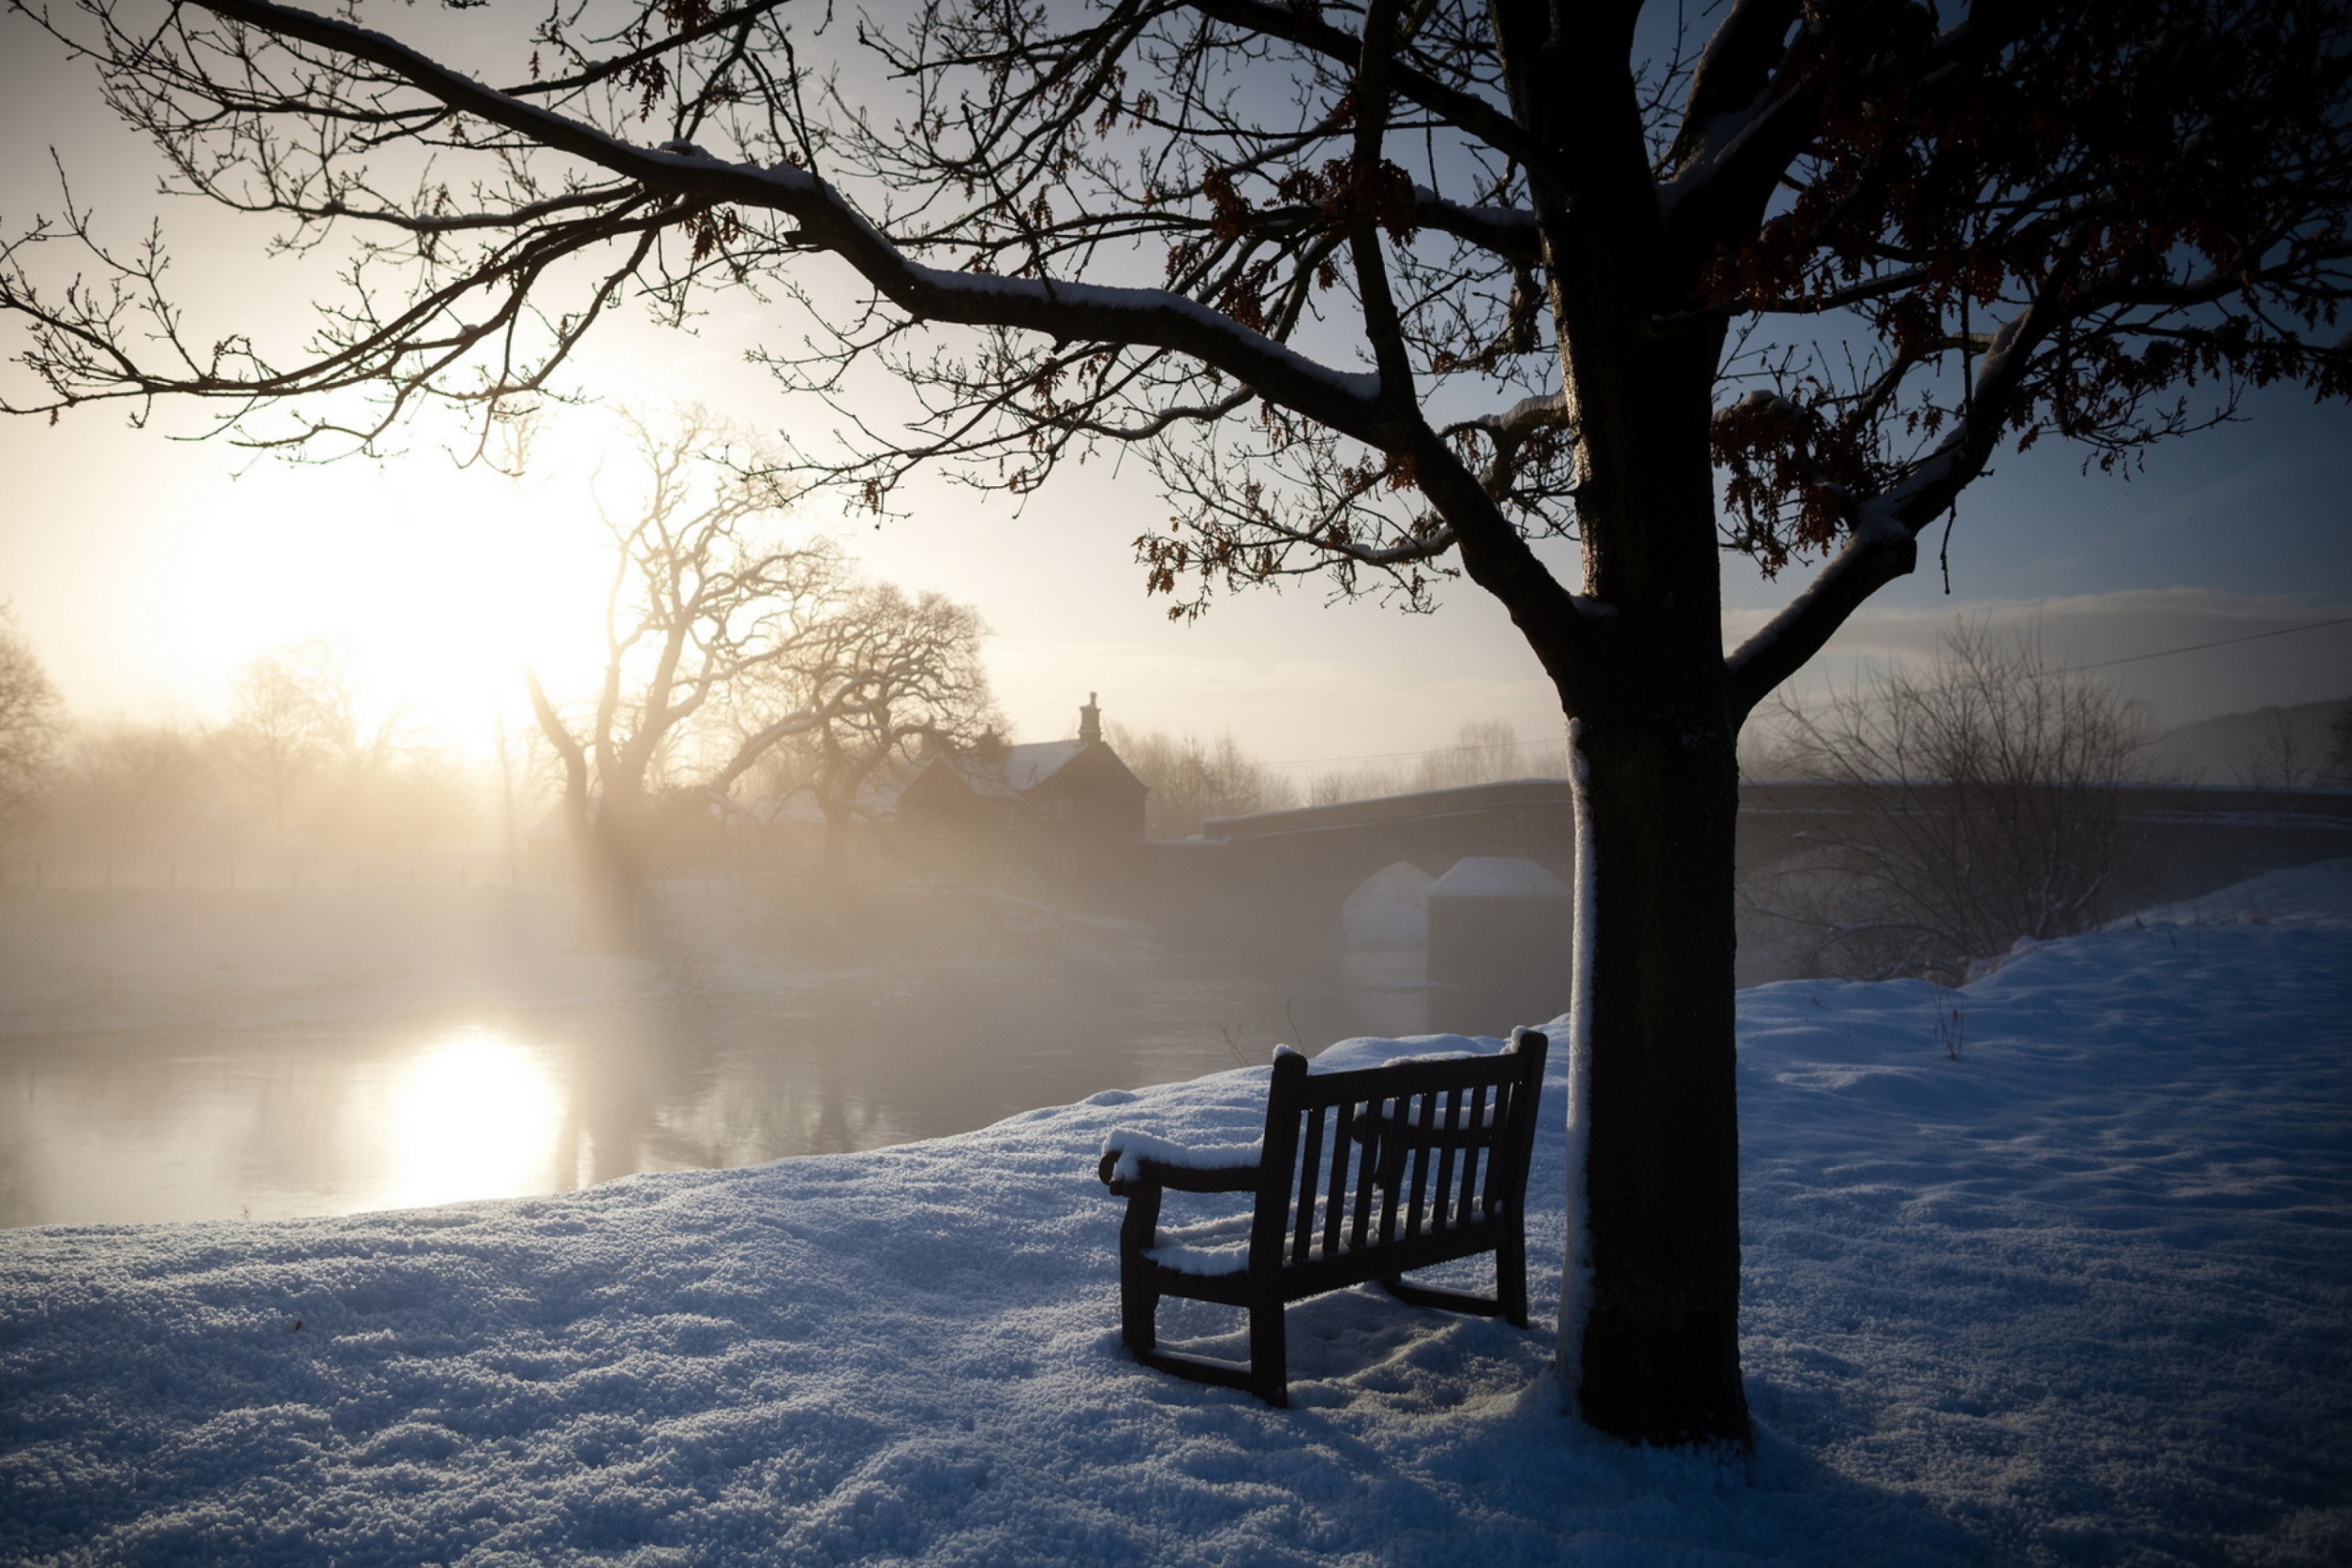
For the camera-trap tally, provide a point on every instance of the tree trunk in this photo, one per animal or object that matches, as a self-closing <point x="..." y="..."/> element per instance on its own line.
<point x="1658" y="1354"/>
<point x="834" y="863"/>
<point x="611" y="879"/>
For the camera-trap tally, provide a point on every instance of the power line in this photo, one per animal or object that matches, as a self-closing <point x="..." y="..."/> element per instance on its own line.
<point x="1523" y="745"/>
<point x="2219" y="642"/>
<point x="1409" y="757"/>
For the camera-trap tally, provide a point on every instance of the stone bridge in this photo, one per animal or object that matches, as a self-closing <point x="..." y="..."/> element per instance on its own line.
<point x="1281" y="878"/>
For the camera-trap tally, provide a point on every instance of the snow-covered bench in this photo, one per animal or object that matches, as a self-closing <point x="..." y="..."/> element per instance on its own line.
<point x="1362" y="1175"/>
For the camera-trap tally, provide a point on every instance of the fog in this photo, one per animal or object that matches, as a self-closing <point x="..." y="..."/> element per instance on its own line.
<point x="750" y="860"/>
<point x="304" y="960"/>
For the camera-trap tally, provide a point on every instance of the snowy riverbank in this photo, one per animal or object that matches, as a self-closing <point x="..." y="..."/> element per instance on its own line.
<point x="2077" y="1296"/>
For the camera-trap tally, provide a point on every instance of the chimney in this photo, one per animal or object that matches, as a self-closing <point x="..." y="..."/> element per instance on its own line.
<point x="1090" y="722"/>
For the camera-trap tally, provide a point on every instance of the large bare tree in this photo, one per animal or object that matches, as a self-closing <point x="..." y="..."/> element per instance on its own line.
<point x="703" y="602"/>
<point x="1387" y="289"/>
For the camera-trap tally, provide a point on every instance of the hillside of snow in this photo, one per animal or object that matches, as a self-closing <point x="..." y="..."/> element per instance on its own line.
<point x="2054" y="1268"/>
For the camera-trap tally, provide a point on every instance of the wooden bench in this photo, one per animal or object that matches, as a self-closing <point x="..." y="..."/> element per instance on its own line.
<point x="1362" y="1175"/>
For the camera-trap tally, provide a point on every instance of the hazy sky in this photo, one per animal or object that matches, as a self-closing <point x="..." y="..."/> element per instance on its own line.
<point x="145" y="571"/>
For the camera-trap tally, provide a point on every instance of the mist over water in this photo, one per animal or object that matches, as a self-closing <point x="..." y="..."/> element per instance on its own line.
<point x="186" y="1119"/>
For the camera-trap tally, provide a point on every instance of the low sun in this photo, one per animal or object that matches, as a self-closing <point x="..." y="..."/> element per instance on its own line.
<point x="434" y="587"/>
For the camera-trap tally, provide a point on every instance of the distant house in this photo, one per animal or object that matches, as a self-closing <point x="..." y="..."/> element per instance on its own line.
<point x="1067" y="814"/>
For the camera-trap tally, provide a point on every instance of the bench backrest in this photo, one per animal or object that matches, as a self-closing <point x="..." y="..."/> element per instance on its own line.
<point x="1389" y="1157"/>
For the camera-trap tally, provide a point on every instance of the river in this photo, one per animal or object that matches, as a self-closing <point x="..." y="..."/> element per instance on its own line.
<point x="211" y="1122"/>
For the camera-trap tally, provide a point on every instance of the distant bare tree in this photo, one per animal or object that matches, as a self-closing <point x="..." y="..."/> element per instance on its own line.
<point x="703" y="605"/>
<point x="1484" y="750"/>
<point x="912" y="664"/>
<point x="30" y="719"/>
<point x="300" y="733"/>
<point x="134" y="787"/>
<point x="379" y="785"/>
<point x="273" y="738"/>
<point x="1985" y="803"/>
<point x="1370" y="781"/>
<point x="1194" y="780"/>
<point x="2281" y="756"/>
<point x="2339" y="745"/>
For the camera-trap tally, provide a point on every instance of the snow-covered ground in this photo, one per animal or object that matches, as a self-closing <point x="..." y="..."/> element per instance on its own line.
<point x="2080" y="1295"/>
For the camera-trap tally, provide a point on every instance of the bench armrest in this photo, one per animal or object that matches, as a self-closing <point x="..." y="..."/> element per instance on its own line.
<point x="1177" y="1178"/>
<point x="1132" y="1158"/>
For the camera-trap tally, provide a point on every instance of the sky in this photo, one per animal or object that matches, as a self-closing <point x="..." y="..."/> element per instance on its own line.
<point x="144" y="570"/>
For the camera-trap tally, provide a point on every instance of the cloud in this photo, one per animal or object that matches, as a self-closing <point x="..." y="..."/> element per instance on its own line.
<point x="1281" y="709"/>
<point x="2251" y="669"/>
<point x="1300" y="691"/>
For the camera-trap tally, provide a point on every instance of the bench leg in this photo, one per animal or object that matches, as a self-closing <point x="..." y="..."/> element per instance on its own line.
<point x="1139" y="1313"/>
<point x="1269" y="1353"/>
<point x="1138" y="1300"/>
<point x="1511" y="1277"/>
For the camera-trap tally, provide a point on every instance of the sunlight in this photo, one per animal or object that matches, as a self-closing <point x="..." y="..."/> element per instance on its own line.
<point x="475" y="1117"/>
<point x="439" y="584"/>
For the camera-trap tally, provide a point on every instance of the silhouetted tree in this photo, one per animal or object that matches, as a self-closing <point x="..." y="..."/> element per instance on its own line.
<point x="379" y="785"/>
<point x="352" y="778"/>
<point x="1385" y="290"/>
<point x="1194" y="780"/>
<point x="2281" y="756"/>
<point x="703" y="599"/>
<point x="31" y="717"/>
<point x="913" y="665"/>
<point x="1483" y="751"/>
<point x="1984" y="802"/>
<point x="273" y="737"/>
<point x="135" y="788"/>
<point x="2339" y="745"/>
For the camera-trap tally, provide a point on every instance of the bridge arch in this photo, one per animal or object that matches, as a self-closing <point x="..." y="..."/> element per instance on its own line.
<point x="1388" y="909"/>
<point x="1284" y="879"/>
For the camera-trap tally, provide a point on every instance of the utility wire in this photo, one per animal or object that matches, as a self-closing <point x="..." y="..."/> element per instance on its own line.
<point x="2219" y="642"/>
<point x="1409" y="757"/>
<point x="1523" y="745"/>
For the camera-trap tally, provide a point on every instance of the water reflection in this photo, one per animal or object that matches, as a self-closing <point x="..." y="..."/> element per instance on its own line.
<point x="266" y="1123"/>
<point x="473" y="1117"/>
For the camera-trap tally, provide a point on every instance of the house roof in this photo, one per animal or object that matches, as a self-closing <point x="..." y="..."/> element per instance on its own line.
<point x="1027" y="767"/>
<point x="1011" y="773"/>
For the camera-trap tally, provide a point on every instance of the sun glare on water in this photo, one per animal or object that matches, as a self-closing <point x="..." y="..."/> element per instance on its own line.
<point x="474" y="1117"/>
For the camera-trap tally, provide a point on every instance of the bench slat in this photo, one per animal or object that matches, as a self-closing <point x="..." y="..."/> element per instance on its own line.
<point x="1454" y="1122"/>
<point x="1310" y="1171"/>
<point x="1394" y="1153"/>
<point x="1427" y="1115"/>
<point x="1367" y="1164"/>
<point x="1335" y="1205"/>
<point x="1480" y="1154"/>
